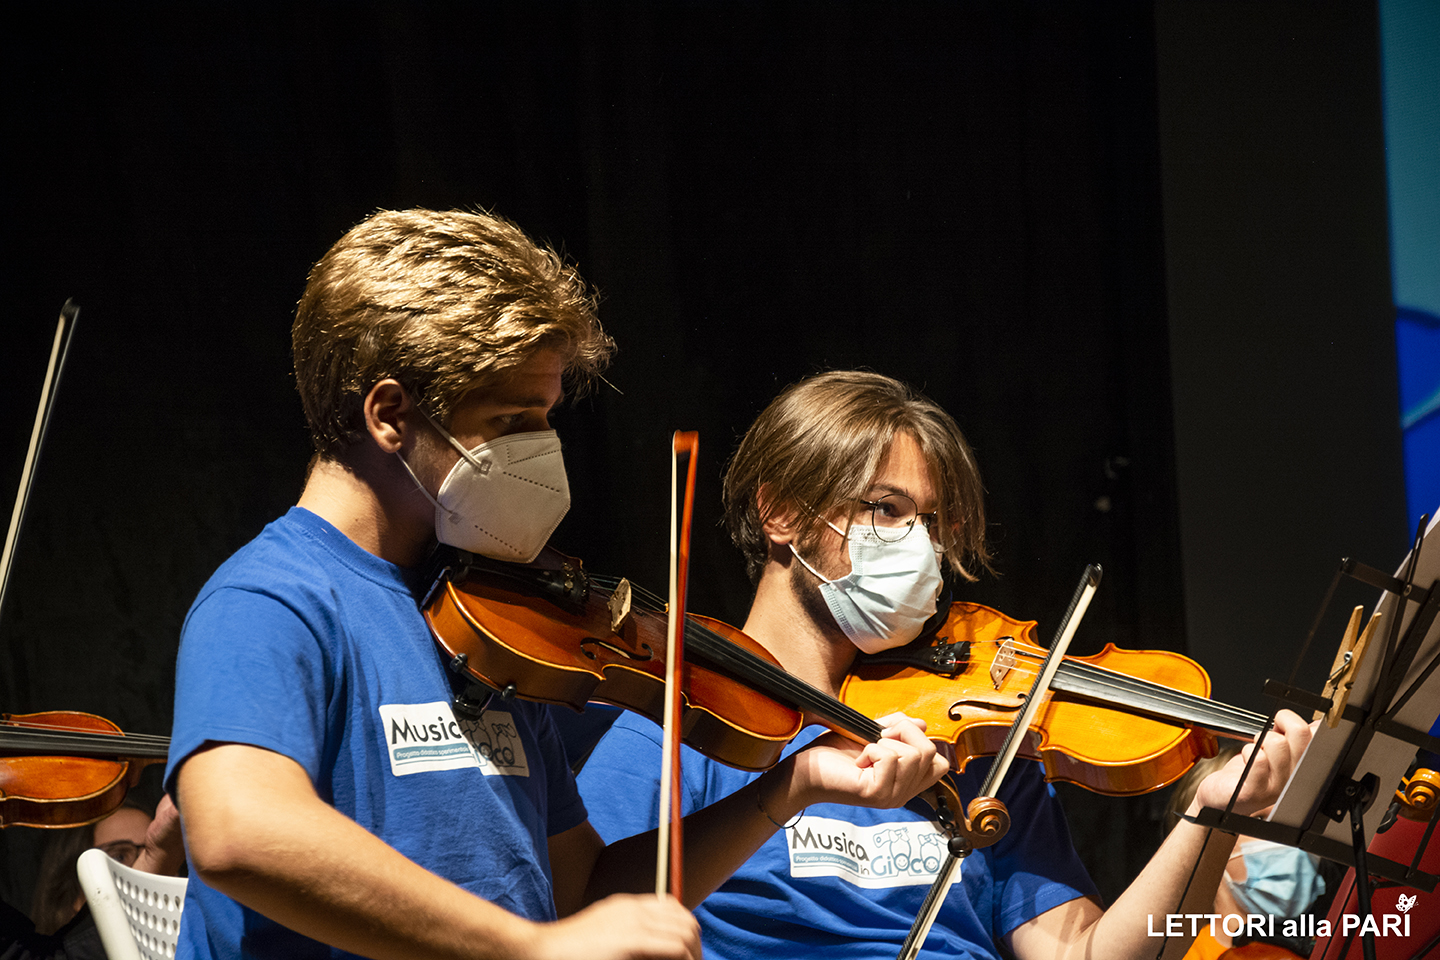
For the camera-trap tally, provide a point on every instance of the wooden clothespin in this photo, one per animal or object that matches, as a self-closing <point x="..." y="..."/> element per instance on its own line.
<point x="1347" y="663"/>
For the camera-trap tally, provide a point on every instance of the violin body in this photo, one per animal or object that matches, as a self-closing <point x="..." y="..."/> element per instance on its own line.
<point x="522" y="639"/>
<point x="990" y="663"/>
<point x="41" y="788"/>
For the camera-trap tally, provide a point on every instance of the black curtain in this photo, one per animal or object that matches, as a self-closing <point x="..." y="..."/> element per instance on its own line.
<point x="965" y="196"/>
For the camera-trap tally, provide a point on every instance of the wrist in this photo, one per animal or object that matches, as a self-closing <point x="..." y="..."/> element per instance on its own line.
<point x="526" y="940"/>
<point x="776" y="795"/>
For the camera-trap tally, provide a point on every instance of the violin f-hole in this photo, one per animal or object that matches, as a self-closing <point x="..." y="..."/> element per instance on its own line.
<point x="644" y="655"/>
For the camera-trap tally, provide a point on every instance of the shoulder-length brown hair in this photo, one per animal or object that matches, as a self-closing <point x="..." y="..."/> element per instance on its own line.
<point x="819" y="445"/>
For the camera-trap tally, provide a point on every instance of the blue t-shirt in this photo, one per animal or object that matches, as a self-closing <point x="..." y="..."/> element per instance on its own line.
<point x="305" y="644"/>
<point x="847" y="882"/>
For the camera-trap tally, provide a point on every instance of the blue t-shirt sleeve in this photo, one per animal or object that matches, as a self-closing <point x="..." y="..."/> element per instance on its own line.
<point x="1035" y="867"/>
<point x="251" y="671"/>
<point x="564" y="808"/>
<point x="620" y="782"/>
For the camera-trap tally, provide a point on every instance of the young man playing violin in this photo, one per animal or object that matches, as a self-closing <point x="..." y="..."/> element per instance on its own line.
<point x="846" y="496"/>
<point x="333" y="804"/>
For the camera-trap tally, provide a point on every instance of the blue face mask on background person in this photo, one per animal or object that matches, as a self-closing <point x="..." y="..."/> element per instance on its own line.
<point x="890" y="591"/>
<point x="1280" y="881"/>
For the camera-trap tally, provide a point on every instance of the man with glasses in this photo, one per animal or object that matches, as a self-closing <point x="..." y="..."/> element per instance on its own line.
<point x="60" y="926"/>
<point x="847" y="496"/>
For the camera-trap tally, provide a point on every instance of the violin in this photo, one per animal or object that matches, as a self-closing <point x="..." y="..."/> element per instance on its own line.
<point x="61" y="768"/>
<point x="1120" y="723"/>
<point x="555" y="634"/>
<point x="67" y="769"/>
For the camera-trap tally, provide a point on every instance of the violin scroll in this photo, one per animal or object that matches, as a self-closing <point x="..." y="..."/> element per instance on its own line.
<point x="986" y="821"/>
<point x="1418" y="794"/>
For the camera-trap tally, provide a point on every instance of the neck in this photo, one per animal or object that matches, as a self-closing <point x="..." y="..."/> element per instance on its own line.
<point x="802" y="635"/>
<point x="364" y="499"/>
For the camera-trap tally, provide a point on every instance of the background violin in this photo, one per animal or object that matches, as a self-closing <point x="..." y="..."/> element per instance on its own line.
<point x="66" y="769"/>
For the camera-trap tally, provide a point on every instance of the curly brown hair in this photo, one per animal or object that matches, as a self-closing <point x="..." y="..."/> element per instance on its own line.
<point x="441" y="301"/>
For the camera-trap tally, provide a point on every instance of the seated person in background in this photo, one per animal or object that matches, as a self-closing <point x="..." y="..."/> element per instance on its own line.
<point x="1260" y="878"/>
<point x="846" y="496"/>
<point x="333" y="801"/>
<point x="60" y="925"/>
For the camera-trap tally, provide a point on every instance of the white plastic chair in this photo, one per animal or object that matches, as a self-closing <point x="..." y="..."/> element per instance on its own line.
<point x="137" y="913"/>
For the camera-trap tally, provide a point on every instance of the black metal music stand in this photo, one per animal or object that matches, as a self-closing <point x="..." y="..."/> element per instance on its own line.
<point x="1327" y="807"/>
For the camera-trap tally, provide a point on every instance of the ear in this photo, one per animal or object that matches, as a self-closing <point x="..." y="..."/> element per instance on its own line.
<point x="777" y="523"/>
<point x="389" y="415"/>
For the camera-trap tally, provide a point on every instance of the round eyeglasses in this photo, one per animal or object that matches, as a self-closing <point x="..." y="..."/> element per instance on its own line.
<point x="124" y="851"/>
<point x="893" y="516"/>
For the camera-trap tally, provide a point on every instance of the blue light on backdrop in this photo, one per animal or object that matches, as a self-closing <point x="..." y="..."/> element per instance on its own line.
<point x="1410" y="48"/>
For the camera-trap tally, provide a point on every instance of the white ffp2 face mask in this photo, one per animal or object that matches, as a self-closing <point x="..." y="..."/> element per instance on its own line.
<point x="890" y="591"/>
<point x="503" y="498"/>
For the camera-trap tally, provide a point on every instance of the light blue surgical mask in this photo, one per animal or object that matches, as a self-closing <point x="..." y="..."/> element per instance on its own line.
<point x="1280" y="880"/>
<point x="890" y="591"/>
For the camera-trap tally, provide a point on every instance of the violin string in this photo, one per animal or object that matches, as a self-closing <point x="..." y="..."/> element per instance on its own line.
<point x="1160" y="694"/>
<point x="35" y="739"/>
<point x="1165" y="699"/>
<point x="1164" y="693"/>
<point x="1147" y="691"/>
<point x="1133" y="691"/>
<point x="1124" y="690"/>
<point x="94" y="739"/>
<point x="1127" y="691"/>
<point x="720" y="652"/>
<point x="61" y="730"/>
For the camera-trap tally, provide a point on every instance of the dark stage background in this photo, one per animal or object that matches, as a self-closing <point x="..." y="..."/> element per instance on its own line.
<point x="983" y="199"/>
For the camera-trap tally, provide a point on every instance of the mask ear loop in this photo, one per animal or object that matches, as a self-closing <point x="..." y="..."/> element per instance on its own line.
<point x="806" y="565"/>
<point x="476" y="697"/>
<point x="803" y="563"/>
<point x="421" y="485"/>
<point x="454" y="443"/>
<point x="465" y="454"/>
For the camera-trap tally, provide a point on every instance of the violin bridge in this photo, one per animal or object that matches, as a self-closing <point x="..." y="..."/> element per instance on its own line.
<point x="619" y="604"/>
<point x="1003" y="663"/>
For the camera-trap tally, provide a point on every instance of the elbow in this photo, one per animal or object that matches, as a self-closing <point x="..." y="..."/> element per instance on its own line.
<point x="219" y="853"/>
<point x="224" y="836"/>
<point x="245" y="812"/>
